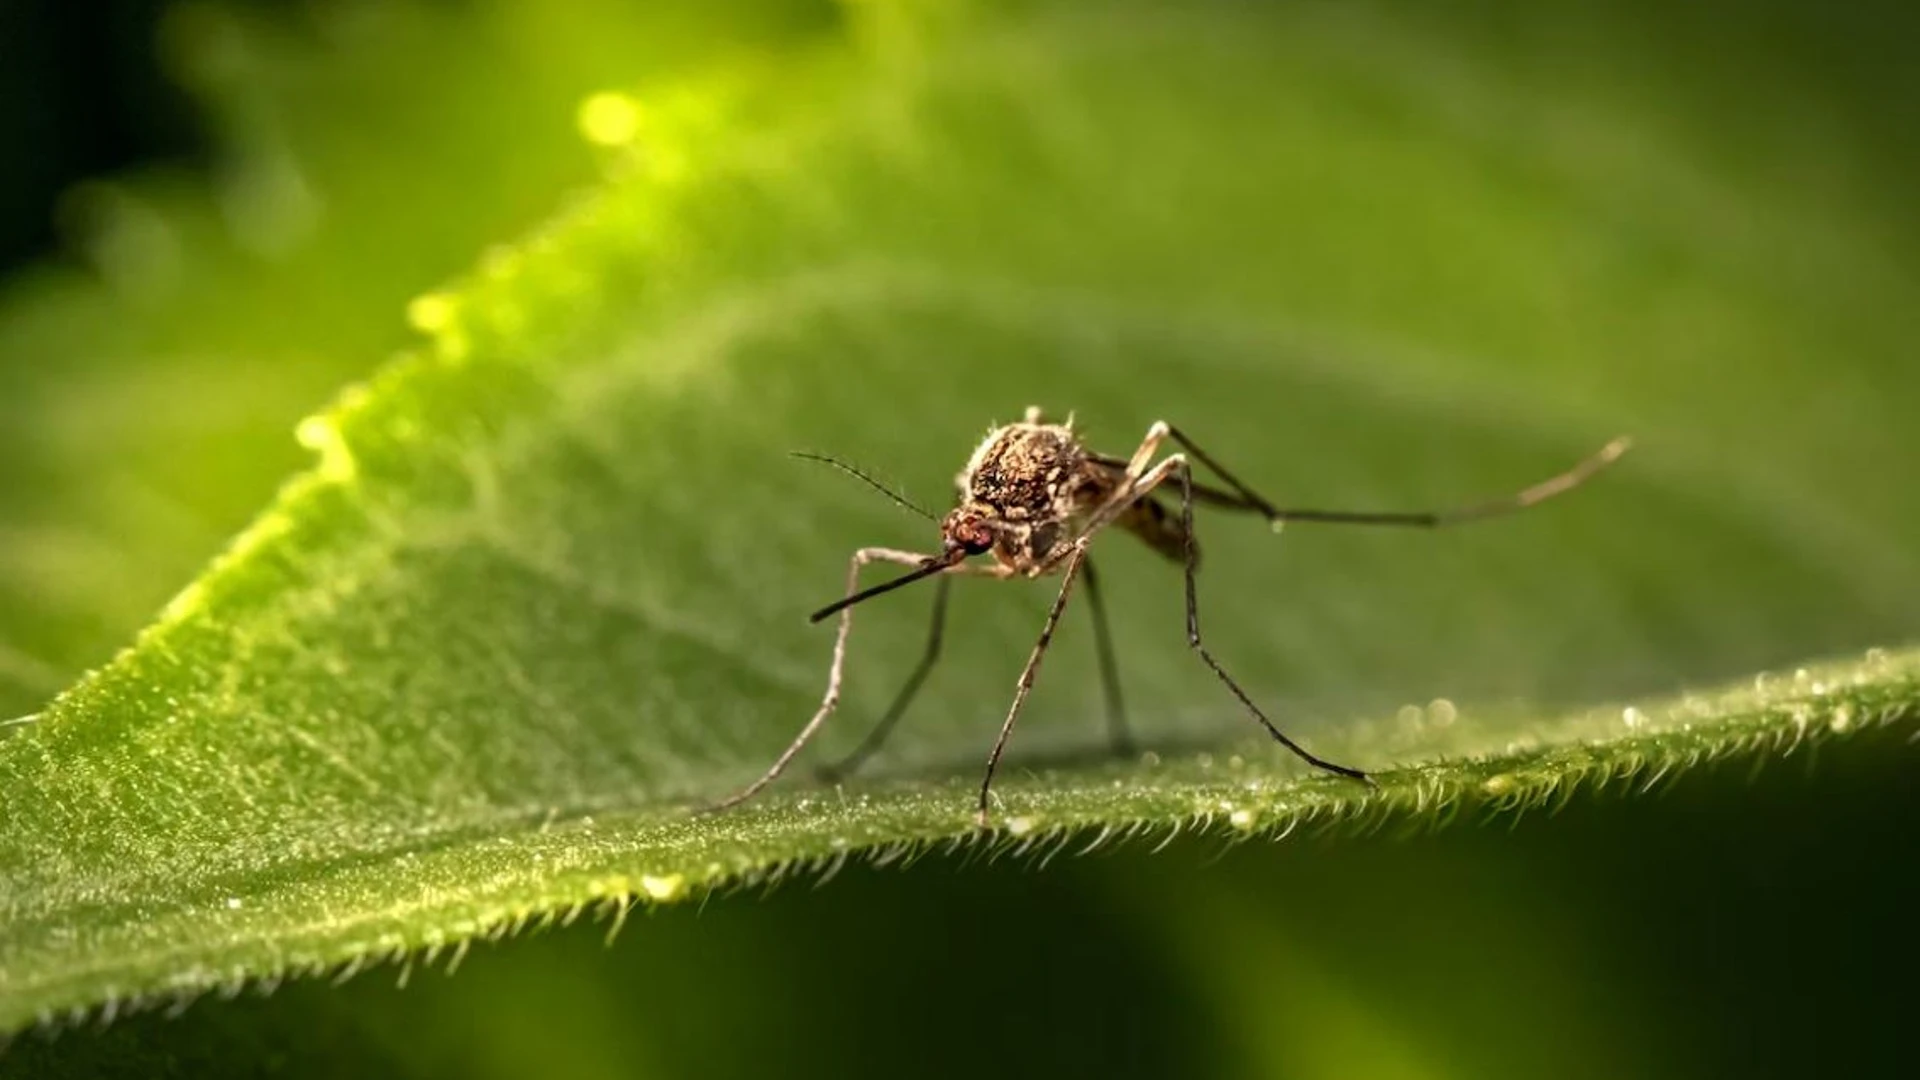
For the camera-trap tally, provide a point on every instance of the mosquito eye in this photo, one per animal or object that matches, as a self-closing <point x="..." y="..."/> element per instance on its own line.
<point x="979" y="542"/>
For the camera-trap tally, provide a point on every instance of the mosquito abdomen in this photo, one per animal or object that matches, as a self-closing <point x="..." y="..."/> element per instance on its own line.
<point x="1160" y="527"/>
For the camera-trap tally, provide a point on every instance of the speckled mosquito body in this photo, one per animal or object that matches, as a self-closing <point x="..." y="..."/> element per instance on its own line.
<point x="1032" y="498"/>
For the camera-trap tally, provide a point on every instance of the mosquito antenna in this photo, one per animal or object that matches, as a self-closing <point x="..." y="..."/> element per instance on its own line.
<point x="19" y="721"/>
<point x="876" y="485"/>
<point x="932" y="567"/>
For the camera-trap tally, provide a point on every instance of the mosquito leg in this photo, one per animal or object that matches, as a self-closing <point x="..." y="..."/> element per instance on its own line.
<point x="1027" y="674"/>
<point x="1118" y="736"/>
<point x="832" y="697"/>
<point x="1150" y="445"/>
<point x="1244" y="498"/>
<point x="846" y="766"/>
<point x="1193" y="626"/>
<point x="1136" y="481"/>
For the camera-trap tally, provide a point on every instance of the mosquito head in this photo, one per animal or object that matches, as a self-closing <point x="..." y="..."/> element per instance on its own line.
<point x="964" y="532"/>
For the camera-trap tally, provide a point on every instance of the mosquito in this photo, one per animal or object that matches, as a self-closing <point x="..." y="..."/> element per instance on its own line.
<point x="1033" y="497"/>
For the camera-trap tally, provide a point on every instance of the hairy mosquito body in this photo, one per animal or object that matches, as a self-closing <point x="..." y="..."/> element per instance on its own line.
<point x="1035" y="489"/>
<point x="1031" y="498"/>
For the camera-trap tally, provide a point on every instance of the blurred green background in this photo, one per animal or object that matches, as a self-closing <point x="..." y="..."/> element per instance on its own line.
<point x="216" y="215"/>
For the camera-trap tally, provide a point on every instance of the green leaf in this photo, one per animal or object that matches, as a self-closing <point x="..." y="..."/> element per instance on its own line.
<point x="543" y="590"/>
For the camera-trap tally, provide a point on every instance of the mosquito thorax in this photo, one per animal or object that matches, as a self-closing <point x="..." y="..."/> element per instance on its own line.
<point x="1028" y="483"/>
<point x="1030" y="472"/>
